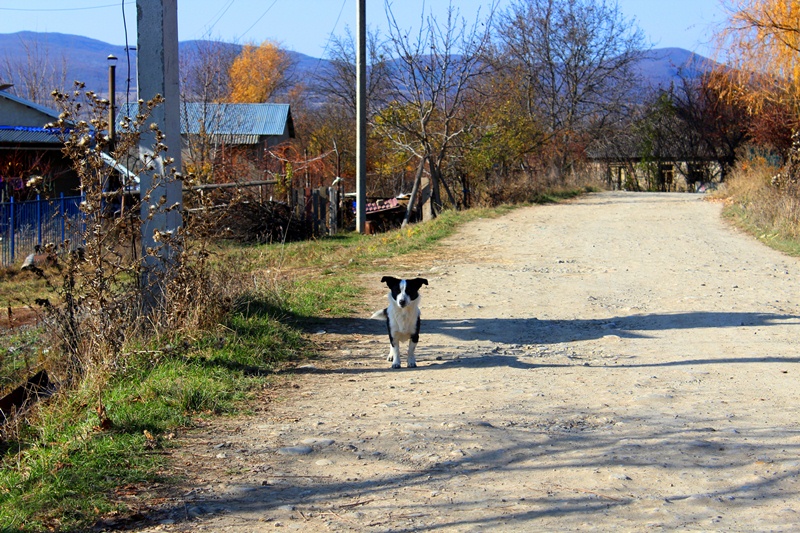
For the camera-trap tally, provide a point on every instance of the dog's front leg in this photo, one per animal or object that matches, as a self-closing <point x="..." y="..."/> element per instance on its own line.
<point x="412" y="345"/>
<point x="394" y="354"/>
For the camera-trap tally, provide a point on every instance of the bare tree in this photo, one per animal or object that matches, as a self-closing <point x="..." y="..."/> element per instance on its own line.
<point x="205" y="78"/>
<point x="719" y="126"/>
<point x="205" y="70"/>
<point x="35" y="75"/>
<point x="338" y="85"/>
<point x="574" y="62"/>
<point x="436" y="73"/>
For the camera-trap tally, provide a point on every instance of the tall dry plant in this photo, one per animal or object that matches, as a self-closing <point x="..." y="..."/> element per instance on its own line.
<point x="101" y="305"/>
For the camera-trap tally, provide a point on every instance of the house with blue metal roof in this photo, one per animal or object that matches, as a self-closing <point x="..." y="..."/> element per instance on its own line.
<point x="28" y="149"/>
<point x="220" y="131"/>
<point x="239" y="124"/>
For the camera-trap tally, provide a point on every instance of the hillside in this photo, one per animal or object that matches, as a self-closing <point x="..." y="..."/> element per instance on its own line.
<point x="662" y="66"/>
<point x="85" y="59"/>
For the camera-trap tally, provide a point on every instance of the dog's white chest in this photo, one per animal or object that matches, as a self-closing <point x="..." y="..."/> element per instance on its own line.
<point x="403" y="321"/>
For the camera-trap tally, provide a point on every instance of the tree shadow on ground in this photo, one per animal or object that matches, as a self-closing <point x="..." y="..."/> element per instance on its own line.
<point x="507" y="335"/>
<point x="514" y="454"/>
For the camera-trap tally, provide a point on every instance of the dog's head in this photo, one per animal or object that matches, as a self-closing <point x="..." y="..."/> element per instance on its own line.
<point x="404" y="291"/>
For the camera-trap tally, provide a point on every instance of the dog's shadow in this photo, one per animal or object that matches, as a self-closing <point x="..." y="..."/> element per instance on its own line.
<point x="507" y="336"/>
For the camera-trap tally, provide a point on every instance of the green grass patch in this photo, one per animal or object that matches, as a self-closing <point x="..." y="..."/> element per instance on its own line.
<point x="769" y="234"/>
<point x="21" y="287"/>
<point x="61" y="469"/>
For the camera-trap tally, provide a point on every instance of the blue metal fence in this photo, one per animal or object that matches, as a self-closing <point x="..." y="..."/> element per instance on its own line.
<point x="23" y="225"/>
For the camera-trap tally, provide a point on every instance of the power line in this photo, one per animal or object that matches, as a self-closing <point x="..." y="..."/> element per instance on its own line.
<point x="32" y="10"/>
<point x="259" y="18"/>
<point x="335" y="24"/>
<point x="224" y="10"/>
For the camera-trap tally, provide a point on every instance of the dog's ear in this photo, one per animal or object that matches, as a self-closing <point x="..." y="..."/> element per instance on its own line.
<point x="417" y="282"/>
<point x="389" y="280"/>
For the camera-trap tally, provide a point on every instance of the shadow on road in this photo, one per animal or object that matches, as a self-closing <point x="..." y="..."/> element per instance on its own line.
<point x="533" y="330"/>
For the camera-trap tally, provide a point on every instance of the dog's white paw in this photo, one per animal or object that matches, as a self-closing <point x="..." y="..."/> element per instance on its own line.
<point x="396" y="365"/>
<point x="412" y="365"/>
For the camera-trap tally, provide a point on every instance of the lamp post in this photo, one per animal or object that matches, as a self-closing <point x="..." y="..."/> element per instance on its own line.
<point x="112" y="97"/>
<point x="112" y="121"/>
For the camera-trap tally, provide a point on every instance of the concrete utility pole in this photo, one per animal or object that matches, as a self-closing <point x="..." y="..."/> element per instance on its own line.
<point x="361" y="118"/>
<point x="157" y="67"/>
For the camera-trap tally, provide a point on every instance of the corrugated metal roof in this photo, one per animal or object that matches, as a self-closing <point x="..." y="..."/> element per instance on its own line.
<point x="230" y="119"/>
<point x="29" y="135"/>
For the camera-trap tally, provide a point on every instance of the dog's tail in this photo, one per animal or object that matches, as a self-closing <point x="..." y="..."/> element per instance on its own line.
<point x="379" y="315"/>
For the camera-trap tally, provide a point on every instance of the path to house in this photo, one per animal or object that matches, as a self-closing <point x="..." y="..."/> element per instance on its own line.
<point x="620" y="362"/>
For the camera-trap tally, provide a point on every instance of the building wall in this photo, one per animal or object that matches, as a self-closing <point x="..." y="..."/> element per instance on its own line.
<point x="15" y="114"/>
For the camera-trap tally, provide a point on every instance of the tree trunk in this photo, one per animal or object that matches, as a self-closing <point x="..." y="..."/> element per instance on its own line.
<point x="414" y="190"/>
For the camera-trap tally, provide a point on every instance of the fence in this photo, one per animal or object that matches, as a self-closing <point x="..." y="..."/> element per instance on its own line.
<point x="23" y="225"/>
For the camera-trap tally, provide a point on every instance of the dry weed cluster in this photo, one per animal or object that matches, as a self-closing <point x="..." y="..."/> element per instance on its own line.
<point x="104" y="303"/>
<point x="767" y="198"/>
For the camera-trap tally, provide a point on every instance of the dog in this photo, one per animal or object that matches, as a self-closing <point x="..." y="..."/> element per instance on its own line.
<point x="402" y="316"/>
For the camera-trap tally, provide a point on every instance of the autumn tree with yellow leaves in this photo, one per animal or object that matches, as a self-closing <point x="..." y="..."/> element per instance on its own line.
<point x="258" y="73"/>
<point x="762" y="43"/>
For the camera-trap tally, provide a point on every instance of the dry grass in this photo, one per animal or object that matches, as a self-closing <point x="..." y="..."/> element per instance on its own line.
<point x="769" y="211"/>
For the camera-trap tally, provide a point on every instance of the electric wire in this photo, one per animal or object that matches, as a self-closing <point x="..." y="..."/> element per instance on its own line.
<point x="34" y="10"/>
<point x="259" y="18"/>
<point x="218" y="18"/>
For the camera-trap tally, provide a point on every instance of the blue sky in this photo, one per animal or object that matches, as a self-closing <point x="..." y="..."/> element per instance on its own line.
<point x="305" y="25"/>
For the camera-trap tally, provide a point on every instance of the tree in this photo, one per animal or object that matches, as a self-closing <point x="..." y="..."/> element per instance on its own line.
<point x="762" y="40"/>
<point x="258" y="73"/>
<point x="205" y="70"/>
<point x="436" y="73"/>
<point x="338" y="84"/>
<point x="34" y="75"/>
<point x="715" y="126"/>
<point x="573" y="61"/>
<point x="332" y="120"/>
<point x="765" y="36"/>
<point x="205" y="77"/>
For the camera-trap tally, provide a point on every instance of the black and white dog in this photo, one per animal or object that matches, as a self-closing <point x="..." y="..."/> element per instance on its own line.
<point x="402" y="316"/>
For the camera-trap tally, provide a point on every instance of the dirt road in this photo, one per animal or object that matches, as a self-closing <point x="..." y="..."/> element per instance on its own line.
<point x="620" y="362"/>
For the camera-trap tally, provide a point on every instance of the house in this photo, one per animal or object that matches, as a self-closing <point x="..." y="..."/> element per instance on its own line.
<point x="29" y="150"/>
<point x="626" y="165"/>
<point x="221" y="134"/>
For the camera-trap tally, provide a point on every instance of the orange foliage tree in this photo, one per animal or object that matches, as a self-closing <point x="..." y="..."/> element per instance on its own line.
<point x="762" y="41"/>
<point x="258" y="72"/>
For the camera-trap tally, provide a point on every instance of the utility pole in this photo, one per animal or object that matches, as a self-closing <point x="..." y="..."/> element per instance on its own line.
<point x="157" y="70"/>
<point x="361" y="118"/>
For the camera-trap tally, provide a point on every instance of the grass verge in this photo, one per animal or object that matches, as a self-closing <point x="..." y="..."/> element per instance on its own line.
<point x="73" y="462"/>
<point x="756" y="206"/>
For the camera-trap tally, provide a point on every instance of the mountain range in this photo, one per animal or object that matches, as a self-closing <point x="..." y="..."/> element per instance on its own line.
<point x="75" y="57"/>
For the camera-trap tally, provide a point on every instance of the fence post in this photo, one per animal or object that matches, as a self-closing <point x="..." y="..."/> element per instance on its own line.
<point x="333" y="206"/>
<point x="315" y="209"/>
<point x="63" y="212"/>
<point x="38" y="220"/>
<point x="12" y="227"/>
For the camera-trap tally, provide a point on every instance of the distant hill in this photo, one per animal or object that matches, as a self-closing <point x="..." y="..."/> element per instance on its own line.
<point x="86" y="60"/>
<point x="662" y="66"/>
